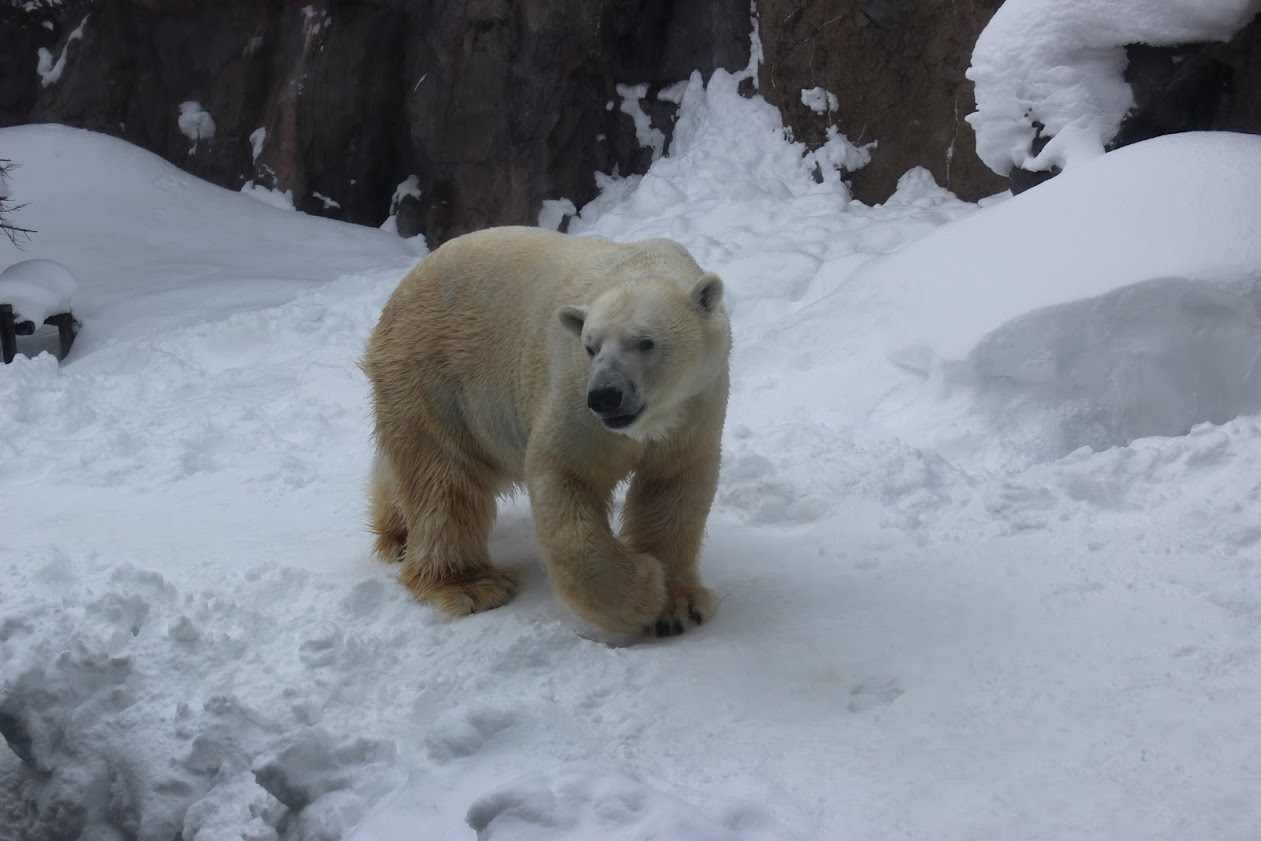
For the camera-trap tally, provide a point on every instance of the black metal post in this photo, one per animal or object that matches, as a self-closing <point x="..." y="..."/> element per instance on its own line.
<point x="8" y="333"/>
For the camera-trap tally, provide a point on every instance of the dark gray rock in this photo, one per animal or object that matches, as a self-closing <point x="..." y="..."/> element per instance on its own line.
<point x="494" y="105"/>
<point x="1194" y="87"/>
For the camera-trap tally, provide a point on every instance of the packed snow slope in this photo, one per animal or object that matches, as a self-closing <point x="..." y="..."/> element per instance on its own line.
<point x="136" y="226"/>
<point x="928" y="628"/>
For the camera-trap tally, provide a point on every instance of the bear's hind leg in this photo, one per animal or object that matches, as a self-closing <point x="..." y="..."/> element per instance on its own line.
<point x="449" y="514"/>
<point x="385" y="517"/>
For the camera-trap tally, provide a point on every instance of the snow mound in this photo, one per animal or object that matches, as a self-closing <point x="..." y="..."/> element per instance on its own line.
<point x="37" y="289"/>
<point x="1117" y="301"/>
<point x="108" y="210"/>
<point x="1059" y="63"/>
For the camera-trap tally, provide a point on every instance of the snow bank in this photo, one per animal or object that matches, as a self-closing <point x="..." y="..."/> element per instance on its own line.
<point x="102" y="207"/>
<point x="1060" y="63"/>
<point x="37" y="289"/>
<point x="1119" y="300"/>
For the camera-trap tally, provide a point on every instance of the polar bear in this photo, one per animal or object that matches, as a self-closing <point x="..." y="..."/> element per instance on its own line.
<point x="518" y="356"/>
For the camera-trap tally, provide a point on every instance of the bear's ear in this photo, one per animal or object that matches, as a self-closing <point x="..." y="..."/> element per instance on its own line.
<point x="572" y="318"/>
<point x="707" y="293"/>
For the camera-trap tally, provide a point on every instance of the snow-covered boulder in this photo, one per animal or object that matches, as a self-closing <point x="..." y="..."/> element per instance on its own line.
<point x="1140" y="316"/>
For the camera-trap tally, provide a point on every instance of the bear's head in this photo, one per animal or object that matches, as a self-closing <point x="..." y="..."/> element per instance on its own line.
<point x="652" y="345"/>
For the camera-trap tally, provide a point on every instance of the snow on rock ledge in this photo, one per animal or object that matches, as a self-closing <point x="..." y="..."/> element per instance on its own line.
<point x="1140" y="316"/>
<point x="1060" y="63"/>
<point x="37" y="289"/>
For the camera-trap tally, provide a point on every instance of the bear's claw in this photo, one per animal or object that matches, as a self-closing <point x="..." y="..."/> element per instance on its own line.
<point x="666" y="629"/>
<point x="686" y="608"/>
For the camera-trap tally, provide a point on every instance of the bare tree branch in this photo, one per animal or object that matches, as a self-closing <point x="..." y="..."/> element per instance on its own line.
<point x="16" y="233"/>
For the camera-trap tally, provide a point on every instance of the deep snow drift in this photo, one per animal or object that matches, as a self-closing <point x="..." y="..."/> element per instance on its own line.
<point x="977" y="639"/>
<point x="1108" y="305"/>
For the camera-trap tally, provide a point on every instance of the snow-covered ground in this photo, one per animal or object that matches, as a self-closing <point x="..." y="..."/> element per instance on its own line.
<point x="958" y="596"/>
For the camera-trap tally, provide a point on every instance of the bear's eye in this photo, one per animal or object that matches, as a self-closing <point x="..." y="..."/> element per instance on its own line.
<point x="590" y="351"/>
<point x="646" y="345"/>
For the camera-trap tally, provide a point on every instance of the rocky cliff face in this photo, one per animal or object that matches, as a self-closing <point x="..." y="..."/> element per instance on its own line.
<point x="493" y="106"/>
<point x="896" y="68"/>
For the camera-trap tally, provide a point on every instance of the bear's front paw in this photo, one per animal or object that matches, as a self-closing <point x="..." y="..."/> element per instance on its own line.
<point x="466" y="594"/>
<point x="627" y="594"/>
<point x="686" y="607"/>
<point x="641" y="594"/>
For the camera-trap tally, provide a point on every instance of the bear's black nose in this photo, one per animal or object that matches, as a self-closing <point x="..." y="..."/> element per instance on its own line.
<point x="604" y="399"/>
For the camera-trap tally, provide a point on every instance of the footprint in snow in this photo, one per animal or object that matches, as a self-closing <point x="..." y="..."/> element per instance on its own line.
<point x="463" y="732"/>
<point x="874" y="692"/>
<point x="589" y="801"/>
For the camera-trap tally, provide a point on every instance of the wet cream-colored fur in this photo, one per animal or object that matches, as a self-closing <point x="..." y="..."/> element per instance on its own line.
<point x="481" y="367"/>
